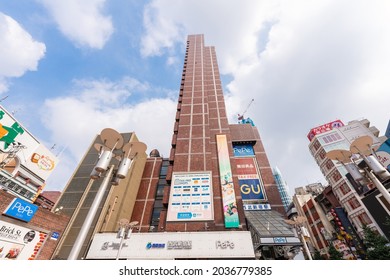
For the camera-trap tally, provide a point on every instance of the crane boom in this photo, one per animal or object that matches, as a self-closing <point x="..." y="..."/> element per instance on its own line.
<point x="241" y="116"/>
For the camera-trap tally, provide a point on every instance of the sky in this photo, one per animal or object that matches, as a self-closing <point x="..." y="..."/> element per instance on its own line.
<point x="70" y="68"/>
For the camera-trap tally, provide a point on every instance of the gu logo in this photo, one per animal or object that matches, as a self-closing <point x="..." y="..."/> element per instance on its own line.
<point x="8" y="134"/>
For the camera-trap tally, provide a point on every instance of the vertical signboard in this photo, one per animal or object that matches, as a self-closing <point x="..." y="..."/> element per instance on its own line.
<point x="190" y="197"/>
<point x="228" y="195"/>
<point x="251" y="186"/>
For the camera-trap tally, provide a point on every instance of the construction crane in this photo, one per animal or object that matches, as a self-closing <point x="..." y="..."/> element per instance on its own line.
<point x="241" y="116"/>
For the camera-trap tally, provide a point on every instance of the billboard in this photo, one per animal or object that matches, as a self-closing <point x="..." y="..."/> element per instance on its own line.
<point x="228" y="194"/>
<point x="324" y="128"/>
<point x="251" y="186"/>
<point x="31" y="154"/>
<point x="243" y="150"/>
<point x="19" y="243"/>
<point x="191" y="197"/>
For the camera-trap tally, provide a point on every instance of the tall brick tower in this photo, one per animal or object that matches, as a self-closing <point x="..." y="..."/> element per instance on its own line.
<point x="215" y="196"/>
<point x="203" y="191"/>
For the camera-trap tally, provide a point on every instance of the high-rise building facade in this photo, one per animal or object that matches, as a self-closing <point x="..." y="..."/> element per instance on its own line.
<point x="215" y="196"/>
<point x="79" y="194"/>
<point x="282" y="187"/>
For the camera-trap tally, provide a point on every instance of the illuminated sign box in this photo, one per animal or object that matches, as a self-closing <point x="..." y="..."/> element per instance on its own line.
<point x="21" y="210"/>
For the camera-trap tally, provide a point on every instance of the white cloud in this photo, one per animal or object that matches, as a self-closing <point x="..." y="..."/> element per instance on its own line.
<point x="93" y="105"/>
<point x="83" y="22"/>
<point x="304" y="63"/>
<point x="19" y="52"/>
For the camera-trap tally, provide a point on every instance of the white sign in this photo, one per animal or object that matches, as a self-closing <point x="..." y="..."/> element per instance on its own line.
<point x="174" y="245"/>
<point x="191" y="197"/>
<point x="257" y="207"/>
<point x="19" y="243"/>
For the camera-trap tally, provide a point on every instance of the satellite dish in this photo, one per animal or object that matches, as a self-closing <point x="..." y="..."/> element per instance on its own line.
<point x="362" y="145"/>
<point x="343" y="156"/>
<point x="111" y="138"/>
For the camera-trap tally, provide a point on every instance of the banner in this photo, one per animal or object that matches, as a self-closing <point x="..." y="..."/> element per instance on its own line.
<point x="228" y="195"/>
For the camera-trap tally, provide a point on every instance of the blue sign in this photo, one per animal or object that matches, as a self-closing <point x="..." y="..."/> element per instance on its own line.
<point x="184" y="215"/>
<point x="251" y="189"/>
<point x="54" y="235"/>
<point x="21" y="210"/>
<point x="243" y="150"/>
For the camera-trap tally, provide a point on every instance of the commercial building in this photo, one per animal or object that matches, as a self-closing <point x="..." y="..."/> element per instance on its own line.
<point x="214" y="197"/>
<point x="27" y="231"/>
<point x="81" y="190"/>
<point x="25" y="163"/>
<point x="282" y="187"/>
<point x="335" y="135"/>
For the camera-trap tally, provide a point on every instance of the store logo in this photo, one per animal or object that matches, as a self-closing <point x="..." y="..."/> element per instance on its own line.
<point x="224" y="245"/>
<point x="151" y="245"/>
<point x="177" y="245"/>
<point x="21" y="210"/>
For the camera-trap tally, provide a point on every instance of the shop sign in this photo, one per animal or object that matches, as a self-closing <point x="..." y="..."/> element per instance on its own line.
<point x="21" y="210"/>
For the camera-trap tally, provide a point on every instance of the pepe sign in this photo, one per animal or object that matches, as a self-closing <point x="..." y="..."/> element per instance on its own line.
<point x="43" y="162"/>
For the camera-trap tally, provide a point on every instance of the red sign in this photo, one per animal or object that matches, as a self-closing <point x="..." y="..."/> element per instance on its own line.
<point x="245" y="166"/>
<point x="324" y="128"/>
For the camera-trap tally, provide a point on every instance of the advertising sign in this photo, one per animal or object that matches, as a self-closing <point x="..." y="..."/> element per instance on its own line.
<point x="21" y="210"/>
<point x="191" y="197"/>
<point x="19" y="243"/>
<point x="243" y="150"/>
<point x="173" y="245"/>
<point x="228" y="194"/>
<point x="251" y="186"/>
<point x="383" y="154"/>
<point x="324" y="128"/>
<point x="31" y="154"/>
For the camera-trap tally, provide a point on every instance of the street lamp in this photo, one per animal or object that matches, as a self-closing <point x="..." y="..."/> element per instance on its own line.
<point x="124" y="232"/>
<point x="112" y="147"/>
<point x="361" y="148"/>
<point x="298" y="223"/>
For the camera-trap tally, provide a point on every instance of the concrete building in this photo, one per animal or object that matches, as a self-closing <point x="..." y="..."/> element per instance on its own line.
<point x="25" y="163"/>
<point x="336" y="135"/>
<point x="79" y="193"/>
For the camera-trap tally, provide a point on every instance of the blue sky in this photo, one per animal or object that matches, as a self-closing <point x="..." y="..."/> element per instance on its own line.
<point x="71" y="68"/>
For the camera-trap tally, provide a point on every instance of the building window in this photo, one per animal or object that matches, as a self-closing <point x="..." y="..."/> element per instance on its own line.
<point x="354" y="203"/>
<point x="345" y="189"/>
<point x="364" y="219"/>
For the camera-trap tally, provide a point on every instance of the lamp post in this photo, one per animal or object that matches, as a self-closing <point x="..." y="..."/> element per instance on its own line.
<point x="298" y="223"/>
<point x="124" y="232"/>
<point x="112" y="147"/>
<point x="362" y="148"/>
